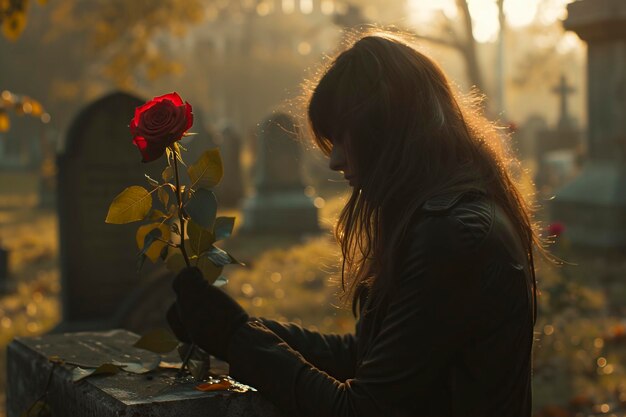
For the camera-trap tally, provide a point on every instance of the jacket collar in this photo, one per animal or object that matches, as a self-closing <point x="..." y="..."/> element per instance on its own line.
<point x="448" y="199"/>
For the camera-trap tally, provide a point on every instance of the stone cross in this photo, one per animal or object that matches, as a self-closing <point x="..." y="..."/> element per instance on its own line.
<point x="563" y="90"/>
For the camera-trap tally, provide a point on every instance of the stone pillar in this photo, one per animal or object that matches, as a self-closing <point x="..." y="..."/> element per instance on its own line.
<point x="279" y="204"/>
<point x="593" y="206"/>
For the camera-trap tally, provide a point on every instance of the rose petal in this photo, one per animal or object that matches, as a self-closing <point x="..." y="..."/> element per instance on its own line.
<point x="149" y="152"/>
<point x="142" y="109"/>
<point x="189" y="116"/>
<point x="178" y="123"/>
<point x="158" y="123"/>
<point x="173" y="97"/>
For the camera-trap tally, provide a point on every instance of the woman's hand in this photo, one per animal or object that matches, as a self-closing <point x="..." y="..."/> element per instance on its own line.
<point x="204" y="314"/>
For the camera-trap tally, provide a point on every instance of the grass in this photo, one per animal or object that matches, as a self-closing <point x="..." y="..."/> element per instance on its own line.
<point x="30" y="235"/>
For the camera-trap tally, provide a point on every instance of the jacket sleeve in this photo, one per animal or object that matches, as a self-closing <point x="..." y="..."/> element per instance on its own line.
<point x="332" y="353"/>
<point x="429" y="316"/>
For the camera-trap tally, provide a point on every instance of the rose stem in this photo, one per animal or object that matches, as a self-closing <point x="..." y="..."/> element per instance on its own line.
<point x="180" y="209"/>
<point x="188" y="355"/>
<point x="185" y="364"/>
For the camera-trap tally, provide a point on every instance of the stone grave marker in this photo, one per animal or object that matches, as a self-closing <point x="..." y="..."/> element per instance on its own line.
<point x="592" y="206"/>
<point x="231" y="190"/>
<point x="98" y="260"/>
<point x="526" y="137"/>
<point x="156" y="393"/>
<point x="566" y="135"/>
<point x="279" y="204"/>
<point x="560" y="149"/>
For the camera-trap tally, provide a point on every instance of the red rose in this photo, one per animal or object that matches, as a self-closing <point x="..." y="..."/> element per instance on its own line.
<point x="159" y="123"/>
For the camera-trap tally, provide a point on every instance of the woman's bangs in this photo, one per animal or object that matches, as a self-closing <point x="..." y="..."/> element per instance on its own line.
<point x="329" y="106"/>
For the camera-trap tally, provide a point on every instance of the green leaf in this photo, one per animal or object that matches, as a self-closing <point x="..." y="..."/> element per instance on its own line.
<point x="168" y="173"/>
<point x="147" y="239"/>
<point x="218" y="256"/>
<point x="79" y="373"/>
<point x="220" y="281"/>
<point x="151" y="181"/>
<point x="235" y="261"/>
<point x="210" y="271"/>
<point x="164" y="197"/>
<point x="207" y="171"/>
<point x="131" y="205"/>
<point x="199" y="239"/>
<point x="202" y="208"/>
<point x="156" y="215"/>
<point x="157" y="341"/>
<point x="223" y="227"/>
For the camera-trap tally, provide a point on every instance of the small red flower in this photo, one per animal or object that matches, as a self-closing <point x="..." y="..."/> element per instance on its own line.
<point x="556" y="229"/>
<point x="159" y="123"/>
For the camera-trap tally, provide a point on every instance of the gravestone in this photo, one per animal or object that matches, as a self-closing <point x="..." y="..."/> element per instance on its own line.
<point x="159" y="392"/>
<point x="98" y="260"/>
<point x="593" y="206"/>
<point x="231" y="190"/>
<point x="527" y="135"/>
<point x="279" y="204"/>
<point x="559" y="149"/>
<point x="566" y="134"/>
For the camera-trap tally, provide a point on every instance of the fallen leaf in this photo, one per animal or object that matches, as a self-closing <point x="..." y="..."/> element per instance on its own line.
<point x="79" y="373"/>
<point x="157" y="341"/>
<point x="222" y="385"/>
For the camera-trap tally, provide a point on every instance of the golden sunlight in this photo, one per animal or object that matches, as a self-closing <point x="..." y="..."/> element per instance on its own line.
<point x="484" y="13"/>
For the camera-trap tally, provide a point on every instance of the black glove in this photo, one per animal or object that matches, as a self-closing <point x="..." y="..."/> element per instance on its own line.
<point x="207" y="316"/>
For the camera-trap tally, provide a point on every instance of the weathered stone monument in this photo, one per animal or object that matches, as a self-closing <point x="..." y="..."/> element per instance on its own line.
<point x="526" y="136"/>
<point x="279" y="204"/>
<point x="559" y="150"/>
<point x="593" y="206"/>
<point x="231" y="189"/>
<point x="566" y="135"/>
<point x="98" y="260"/>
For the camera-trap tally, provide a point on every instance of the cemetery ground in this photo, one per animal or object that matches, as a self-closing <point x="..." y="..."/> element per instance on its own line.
<point x="580" y="349"/>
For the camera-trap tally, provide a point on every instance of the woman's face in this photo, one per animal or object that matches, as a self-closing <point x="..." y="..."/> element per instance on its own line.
<point x="340" y="161"/>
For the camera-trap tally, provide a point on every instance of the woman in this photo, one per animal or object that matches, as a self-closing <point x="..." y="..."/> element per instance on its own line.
<point x="437" y="249"/>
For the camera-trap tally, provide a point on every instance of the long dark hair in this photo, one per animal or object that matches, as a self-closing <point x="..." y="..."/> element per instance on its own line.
<point x="411" y="137"/>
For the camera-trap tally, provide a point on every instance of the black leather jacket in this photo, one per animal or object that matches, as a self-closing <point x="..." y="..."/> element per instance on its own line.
<point x="454" y="339"/>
